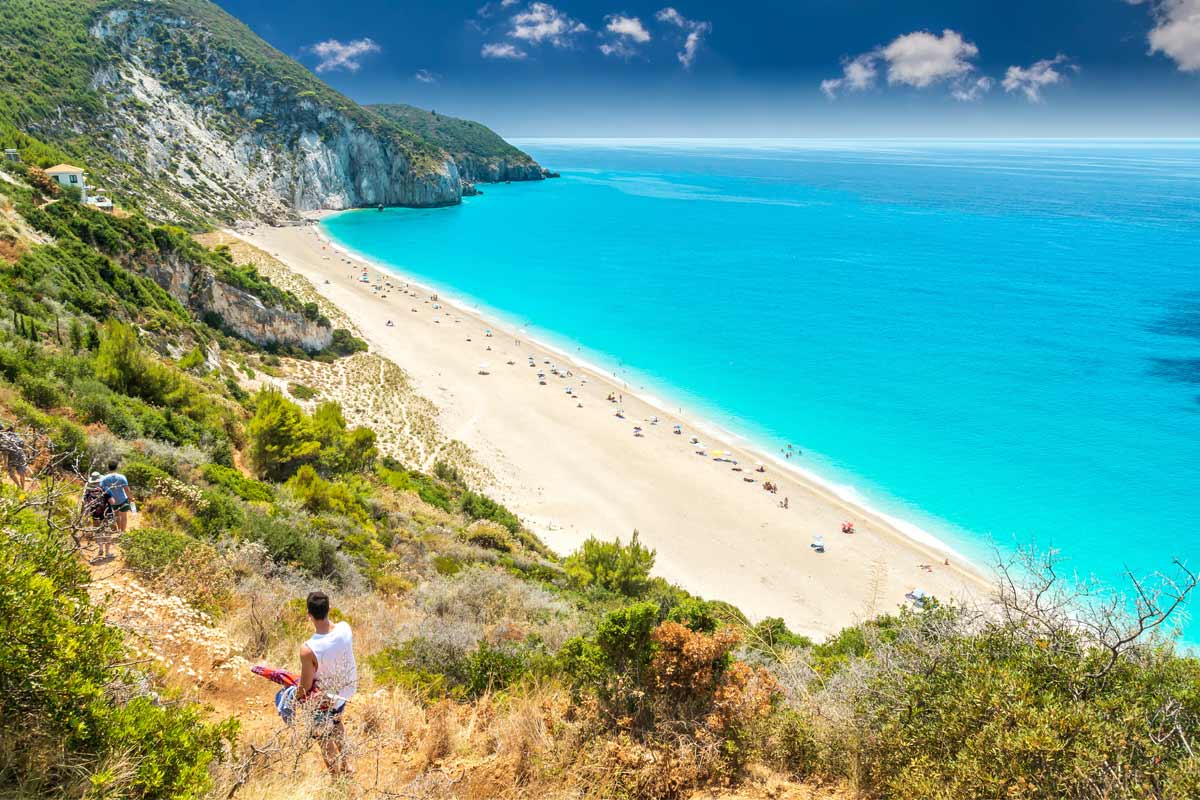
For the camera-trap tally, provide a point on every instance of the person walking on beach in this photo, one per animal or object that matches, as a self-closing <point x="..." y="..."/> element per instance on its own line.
<point x="117" y="487"/>
<point x="327" y="659"/>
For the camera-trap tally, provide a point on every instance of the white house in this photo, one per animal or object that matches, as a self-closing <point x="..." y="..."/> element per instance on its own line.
<point x="66" y="175"/>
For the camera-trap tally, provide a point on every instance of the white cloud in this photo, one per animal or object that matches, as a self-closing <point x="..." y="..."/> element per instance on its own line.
<point x="1176" y="32"/>
<point x="502" y="50"/>
<point x="671" y="16"/>
<point x="1032" y="79"/>
<point x="858" y="74"/>
<point x="919" y="59"/>
<point x="696" y="31"/>
<point x="629" y="27"/>
<point x="971" y="91"/>
<point x="425" y="76"/>
<point x="922" y="59"/>
<point x="342" y="55"/>
<point x="488" y="9"/>
<point x="542" y="22"/>
<point x="624" y="35"/>
<point x="618" y="48"/>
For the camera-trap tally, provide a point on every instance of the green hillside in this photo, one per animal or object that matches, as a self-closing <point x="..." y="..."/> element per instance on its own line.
<point x="217" y="133"/>
<point x="456" y="136"/>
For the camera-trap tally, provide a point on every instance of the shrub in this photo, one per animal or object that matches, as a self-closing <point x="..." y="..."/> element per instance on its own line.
<point x="491" y="669"/>
<point x="612" y="566"/>
<point x="489" y="535"/>
<point x="695" y="614"/>
<point x="178" y="564"/>
<point x="302" y="392"/>
<point x="68" y="711"/>
<point x="344" y="344"/>
<point x="948" y="711"/>
<point x="245" y="488"/>
<point x="790" y="745"/>
<point x="429" y="490"/>
<point x="123" y="365"/>
<point x="291" y="541"/>
<point x="613" y="663"/>
<point x="478" y="506"/>
<point x="432" y="668"/>
<point x="41" y="391"/>
<point x="281" y="436"/>
<point x="447" y="565"/>
<point x="771" y="638"/>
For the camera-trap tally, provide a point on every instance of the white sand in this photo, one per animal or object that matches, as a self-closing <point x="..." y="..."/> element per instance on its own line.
<point x="569" y="472"/>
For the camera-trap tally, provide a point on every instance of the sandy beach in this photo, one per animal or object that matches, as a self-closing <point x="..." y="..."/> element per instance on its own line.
<point x="570" y="464"/>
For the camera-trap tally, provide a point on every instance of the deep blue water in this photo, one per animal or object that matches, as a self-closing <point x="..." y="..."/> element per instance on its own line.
<point x="997" y="341"/>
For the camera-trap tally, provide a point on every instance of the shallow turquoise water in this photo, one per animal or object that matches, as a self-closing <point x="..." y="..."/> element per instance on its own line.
<point x="997" y="341"/>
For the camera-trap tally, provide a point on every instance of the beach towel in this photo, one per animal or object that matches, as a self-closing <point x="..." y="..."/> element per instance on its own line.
<point x="286" y="700"/>
<point x="280" y="676"/>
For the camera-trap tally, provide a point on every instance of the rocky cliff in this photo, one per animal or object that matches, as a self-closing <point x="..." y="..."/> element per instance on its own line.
<point x="233" y="308"/>
<point x="232" y="132"/>
<point x="485" y="169"/>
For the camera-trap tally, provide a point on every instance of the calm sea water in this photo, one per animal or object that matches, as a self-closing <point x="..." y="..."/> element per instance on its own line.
<point x="999" y="342"/>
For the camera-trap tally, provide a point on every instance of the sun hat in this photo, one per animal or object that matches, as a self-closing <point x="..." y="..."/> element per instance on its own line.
<point x="94" y="477"/>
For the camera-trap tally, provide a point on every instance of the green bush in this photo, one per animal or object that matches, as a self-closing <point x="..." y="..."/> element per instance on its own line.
<point x="488" y="535"/>
<point x="490" y="669"/>
<point x="292" y="541"/>
<point x="429" y="490"/>
<point x="302" y="392"/>
<point x="435" y="669"/>
<point x="696" y="614"/>
<point x="246" y="488"/>
<point x="178" y="564"/>
<point x="281" y="436"/>
<point x="63" y="717"/>
<point x="771" y="638"/>
<point x="41" y="391"/>
<point x="612" y="566"/>
<point x="344" y="344"/>
<point x="613" y="663"/>
<point x="152" y="552"/>
<point x="391" y="669"/>
<point x="478" y="506"/>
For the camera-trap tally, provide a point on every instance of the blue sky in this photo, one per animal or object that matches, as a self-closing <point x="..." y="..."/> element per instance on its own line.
<point x="787" y="69"/>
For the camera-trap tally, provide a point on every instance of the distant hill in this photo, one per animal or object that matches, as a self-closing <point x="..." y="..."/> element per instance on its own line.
<point x="179" y="109"/>
<point x="480" y="153"/>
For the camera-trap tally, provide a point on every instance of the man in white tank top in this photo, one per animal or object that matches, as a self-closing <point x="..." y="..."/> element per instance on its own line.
<point x="328" y="678"/>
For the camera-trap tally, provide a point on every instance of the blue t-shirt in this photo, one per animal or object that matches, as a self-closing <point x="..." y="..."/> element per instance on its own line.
<point x="115" y="484"/>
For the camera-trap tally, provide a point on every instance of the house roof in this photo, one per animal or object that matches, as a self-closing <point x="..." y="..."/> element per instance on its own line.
<point x="64" y="169"/>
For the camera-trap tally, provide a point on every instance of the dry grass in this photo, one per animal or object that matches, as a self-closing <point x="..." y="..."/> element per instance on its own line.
<point x="373" y="391"/>
<point x="528" y="743"/>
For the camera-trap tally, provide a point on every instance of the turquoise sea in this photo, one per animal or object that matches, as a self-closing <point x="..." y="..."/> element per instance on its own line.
<point x="996" y="341"/>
